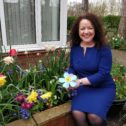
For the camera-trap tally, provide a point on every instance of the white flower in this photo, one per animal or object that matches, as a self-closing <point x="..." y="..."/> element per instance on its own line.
<point x="40" y="61"/>
<point x="113" y="38"/>
<point x="68" y="80"/>
<point x="50" y="48"/>
<point x="7" y="60"/>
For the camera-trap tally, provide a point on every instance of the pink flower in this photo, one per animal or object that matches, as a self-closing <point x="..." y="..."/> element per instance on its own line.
<point x="13" y="52"/>
<point x="20" y="97"/>
<point x="26" y="105"/>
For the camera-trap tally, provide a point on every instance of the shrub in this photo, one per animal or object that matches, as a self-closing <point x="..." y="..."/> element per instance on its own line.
<point x="70" y="22"/>
<point x="118" y="42"/>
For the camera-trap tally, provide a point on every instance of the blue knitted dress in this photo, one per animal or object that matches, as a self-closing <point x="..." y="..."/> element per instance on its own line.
<point x="96" y="66"/>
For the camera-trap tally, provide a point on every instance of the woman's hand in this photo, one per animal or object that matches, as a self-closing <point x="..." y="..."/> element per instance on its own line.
<point x="75" y="87"/>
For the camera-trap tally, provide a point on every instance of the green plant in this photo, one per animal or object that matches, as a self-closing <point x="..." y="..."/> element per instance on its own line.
<point x="70" y="22"/>
<point x="119" y="76"/>
<point x="118" y="42"/>
<point x="111" y="22"/>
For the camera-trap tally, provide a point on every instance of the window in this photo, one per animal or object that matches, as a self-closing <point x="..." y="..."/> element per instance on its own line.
<point x="50" y="20"/>
<point x="0" y="36"/>
<point x="20" y="22"/>
<point x="32" y="24"/>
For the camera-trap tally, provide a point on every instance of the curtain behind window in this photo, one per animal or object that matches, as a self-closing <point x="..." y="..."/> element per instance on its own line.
<point x="20" y="21"/>
<point x="50" y="20"/>
<point x="0" y="36"/>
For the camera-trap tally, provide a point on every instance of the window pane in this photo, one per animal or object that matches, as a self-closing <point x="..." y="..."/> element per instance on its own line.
<point x="50" y="20"/>
<point x="0" y="36"/>
<point x="20" y="21"/>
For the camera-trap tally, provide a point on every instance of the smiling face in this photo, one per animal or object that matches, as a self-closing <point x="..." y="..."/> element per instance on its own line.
<point x="86" y="30"/>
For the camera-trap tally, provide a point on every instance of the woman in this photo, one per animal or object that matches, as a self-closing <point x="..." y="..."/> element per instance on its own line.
<point x="91" y="61"/>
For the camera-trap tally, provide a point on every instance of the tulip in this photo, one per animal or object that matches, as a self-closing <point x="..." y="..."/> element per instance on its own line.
<point x="13" y="52"/>
<point x="8" y="60"/>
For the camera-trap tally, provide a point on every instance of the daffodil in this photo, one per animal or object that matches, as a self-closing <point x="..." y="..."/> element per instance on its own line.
<point x="32" y="97"/>
<point x="7" y="60"/>
<point x="46" y="95"/>
<point x="68" y="80"/>
<point x="2" y="80"/>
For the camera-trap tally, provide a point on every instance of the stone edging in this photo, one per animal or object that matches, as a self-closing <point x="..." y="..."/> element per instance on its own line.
<point x="43" y="117"/>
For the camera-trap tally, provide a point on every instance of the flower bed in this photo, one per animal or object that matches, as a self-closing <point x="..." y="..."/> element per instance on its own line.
<point x="24" y="92"/>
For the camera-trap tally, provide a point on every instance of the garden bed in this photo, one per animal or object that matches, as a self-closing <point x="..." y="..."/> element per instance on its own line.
<point x="56" y="116"/>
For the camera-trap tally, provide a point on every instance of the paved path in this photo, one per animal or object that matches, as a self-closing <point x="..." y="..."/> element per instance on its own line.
<point x="119" y="56"/>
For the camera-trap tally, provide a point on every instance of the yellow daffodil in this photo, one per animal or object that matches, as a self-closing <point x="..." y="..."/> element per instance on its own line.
<point x="46" y="95"/>
<point x="32" y="97"/>
<point x="2" y="80"/>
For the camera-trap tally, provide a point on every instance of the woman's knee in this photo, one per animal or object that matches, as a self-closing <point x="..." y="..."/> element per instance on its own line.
<point x="80" y="118"/>
<point x="94" y="119"/>
<point x="78" y="114"/>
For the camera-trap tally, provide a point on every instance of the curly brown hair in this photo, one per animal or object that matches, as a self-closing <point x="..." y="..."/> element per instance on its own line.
<point x="99" y="37"/>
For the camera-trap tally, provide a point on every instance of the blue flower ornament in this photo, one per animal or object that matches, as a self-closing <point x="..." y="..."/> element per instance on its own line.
<point x="69" y="80"/>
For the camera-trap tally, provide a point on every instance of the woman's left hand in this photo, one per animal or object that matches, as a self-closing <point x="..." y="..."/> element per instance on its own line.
<point x="77" y="85"/>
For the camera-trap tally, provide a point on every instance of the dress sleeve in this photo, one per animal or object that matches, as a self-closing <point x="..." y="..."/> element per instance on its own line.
<point x="71" y="68"/>
<point x="104" y="67"/>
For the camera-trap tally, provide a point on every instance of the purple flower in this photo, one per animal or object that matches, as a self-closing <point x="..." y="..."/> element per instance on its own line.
<point x="40" y="99"/>
<point x="24" y="113"/>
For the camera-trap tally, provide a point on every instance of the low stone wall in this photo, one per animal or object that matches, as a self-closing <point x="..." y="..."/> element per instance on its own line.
<point x="56" y="116"/>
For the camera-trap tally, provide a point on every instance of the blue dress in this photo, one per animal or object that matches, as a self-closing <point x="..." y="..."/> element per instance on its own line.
<point x="96" y="66"/>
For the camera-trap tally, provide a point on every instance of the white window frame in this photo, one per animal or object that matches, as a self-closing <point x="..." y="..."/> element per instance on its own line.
<point x="39" y="44"/>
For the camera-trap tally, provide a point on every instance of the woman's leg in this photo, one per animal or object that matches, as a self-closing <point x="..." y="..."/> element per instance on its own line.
<point x="80" y="118"/>
<point x="95" y="120"/>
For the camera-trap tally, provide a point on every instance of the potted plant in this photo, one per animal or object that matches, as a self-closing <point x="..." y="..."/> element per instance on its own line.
<point x="119" y="76"/>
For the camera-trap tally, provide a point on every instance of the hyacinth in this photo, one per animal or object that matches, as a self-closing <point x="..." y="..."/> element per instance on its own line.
<point x="2" y="80"/>
<point x="69" y="80"/>
<point x="24" y="113"/>
<point x="46" y="95"/>
<point x="8" y="60"/>
<point x="32" y="97"/>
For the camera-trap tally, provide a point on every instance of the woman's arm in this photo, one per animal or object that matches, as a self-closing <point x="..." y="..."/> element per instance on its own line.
<point x="71" y="68"/>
